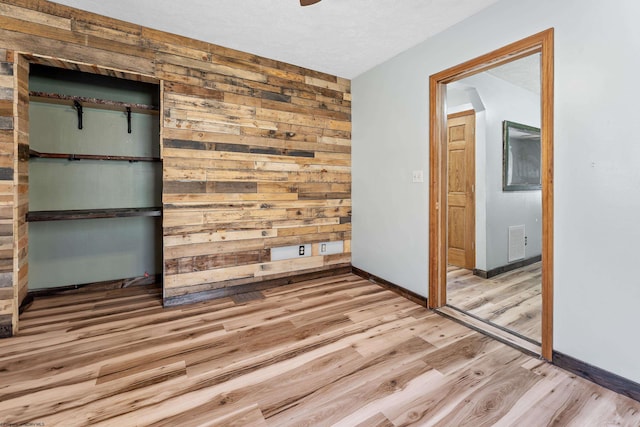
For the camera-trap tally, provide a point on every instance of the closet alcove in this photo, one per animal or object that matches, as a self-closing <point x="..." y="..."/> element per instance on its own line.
<point x="95" y="179"/>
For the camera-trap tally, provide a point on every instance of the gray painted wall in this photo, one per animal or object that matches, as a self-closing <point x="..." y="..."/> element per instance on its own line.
<point x="63" y="253"/>
<point x="597" y="177"/>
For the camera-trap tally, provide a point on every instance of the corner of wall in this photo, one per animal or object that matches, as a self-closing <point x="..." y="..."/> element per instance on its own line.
<point x="9" y="295"/>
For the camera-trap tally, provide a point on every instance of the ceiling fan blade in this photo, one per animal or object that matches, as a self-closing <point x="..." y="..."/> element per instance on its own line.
<point x="308" y="2"/>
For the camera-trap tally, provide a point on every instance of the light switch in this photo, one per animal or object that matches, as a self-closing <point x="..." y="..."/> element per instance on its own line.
<point x="418" y="176"/>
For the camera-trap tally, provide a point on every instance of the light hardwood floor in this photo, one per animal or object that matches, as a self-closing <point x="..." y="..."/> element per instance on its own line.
<point x="512" y="300"/>
<point x="335" y="351"/>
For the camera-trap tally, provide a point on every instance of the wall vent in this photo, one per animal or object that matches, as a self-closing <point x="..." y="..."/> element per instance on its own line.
<point x="516" y="242"/>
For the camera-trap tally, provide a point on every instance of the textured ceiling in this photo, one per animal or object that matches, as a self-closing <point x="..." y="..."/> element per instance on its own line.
<point x="340" y="37"/>
<point x="525" y="72"/>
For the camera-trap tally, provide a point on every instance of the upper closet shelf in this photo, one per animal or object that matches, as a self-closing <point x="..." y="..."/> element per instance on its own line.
<point x="105" y="104"/>
<point x="60" y="215"/>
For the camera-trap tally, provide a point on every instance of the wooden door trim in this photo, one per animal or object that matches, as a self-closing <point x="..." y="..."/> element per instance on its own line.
<point x="542" y="43"/>
<point x="461" y="114"/>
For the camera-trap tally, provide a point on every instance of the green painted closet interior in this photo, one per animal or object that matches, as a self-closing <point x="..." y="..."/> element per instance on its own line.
<point x="72" y="252"/>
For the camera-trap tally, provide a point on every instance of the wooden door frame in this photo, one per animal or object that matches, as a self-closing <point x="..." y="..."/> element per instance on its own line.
<point x="538" y="43"/>
<point x="470" y="230"/>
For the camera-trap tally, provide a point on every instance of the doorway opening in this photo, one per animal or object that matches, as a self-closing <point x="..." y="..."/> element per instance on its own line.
<point x="443" y="231"/>
<point x="494" y="202"/>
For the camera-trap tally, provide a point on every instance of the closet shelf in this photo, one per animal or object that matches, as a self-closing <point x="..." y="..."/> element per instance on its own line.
<point x="62" y="215"/>
<point x="105" y="104"/>
<point x="37" y="154"/>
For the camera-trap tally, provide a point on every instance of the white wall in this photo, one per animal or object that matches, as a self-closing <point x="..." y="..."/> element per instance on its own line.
<point x="597" y="173"/>
<point x="499" y="209"/>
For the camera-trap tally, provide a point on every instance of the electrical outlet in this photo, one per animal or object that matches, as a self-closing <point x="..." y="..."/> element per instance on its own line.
<point x="290" y="252"/>
<point x="331" y="248"/>
<point x="418" y="176"/>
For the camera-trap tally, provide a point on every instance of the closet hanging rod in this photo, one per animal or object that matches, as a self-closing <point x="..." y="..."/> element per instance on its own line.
<point x="68" y="156"/>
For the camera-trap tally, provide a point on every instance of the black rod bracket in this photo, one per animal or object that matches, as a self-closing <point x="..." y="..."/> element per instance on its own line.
<point x="78" y="108"/>
<point x="128" y="119"/>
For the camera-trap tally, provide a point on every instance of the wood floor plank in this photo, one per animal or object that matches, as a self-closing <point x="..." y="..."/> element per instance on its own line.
<point x="378" y="375"/>
<point x="378" y="420"/>
<point x="552" y="379"/>
<point x="442" y="334"/>
<point x="439" y="398"/>
<point x="512" y="300"/>
<point x="330" y="351"/>
<point x="463" y="352"/>
<point x="251" y="416"/>
<point x="132" y="326"/>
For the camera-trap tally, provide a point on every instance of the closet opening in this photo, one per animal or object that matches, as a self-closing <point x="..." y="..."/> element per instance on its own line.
<point x="93" y="179"/>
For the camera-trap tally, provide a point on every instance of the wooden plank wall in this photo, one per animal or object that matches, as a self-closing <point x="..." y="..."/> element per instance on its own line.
<point x="8" y="297"/>
<point x="21" y="187"/>
<point x="256" y="152"/>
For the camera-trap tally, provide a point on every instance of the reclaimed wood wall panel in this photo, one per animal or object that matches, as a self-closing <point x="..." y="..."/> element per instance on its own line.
<point x="234" y="159"/>
<point x="256" y="153"/>
<point x="21" y="181"/>
<point x="8" y="285"/>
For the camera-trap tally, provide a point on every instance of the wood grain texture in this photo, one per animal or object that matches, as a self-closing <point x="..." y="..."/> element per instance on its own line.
<point x="547" y="126"/>
<point x="9" y="287"/>
<point x="105" y="104"/>
<point x="512" y="300"/>
<point x="248" y="143"/>
<point x="62" y="215"/>
<point x="330" y="351"/>
<point x="461" y="182"/>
